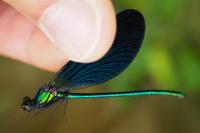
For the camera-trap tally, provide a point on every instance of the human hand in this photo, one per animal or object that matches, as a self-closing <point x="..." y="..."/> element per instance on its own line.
<point x="49" y="33"/>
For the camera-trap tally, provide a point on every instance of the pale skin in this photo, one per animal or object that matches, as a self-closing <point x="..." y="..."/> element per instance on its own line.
<point x="83" y="33"/>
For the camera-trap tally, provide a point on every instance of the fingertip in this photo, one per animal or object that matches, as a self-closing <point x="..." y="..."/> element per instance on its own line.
<point x="85" y="36"/>
<point x="83" y="30"/>
<point x="44" y="55"/>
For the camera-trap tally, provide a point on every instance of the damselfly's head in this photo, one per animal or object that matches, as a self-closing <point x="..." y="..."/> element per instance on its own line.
<point x="27" y="104"/>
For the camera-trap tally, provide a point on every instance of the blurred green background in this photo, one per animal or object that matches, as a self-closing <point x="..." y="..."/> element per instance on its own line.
<point x="168" y="59"/>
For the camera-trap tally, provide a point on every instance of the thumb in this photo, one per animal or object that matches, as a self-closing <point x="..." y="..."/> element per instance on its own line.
<point x="82" y="29"/>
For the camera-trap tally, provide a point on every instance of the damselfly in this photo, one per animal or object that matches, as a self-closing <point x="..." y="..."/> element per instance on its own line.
<point x="130" y="34"/>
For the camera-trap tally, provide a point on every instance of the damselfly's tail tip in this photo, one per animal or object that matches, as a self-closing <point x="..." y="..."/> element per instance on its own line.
<point x="181" y="95"/>
<point x="173" y="93"/>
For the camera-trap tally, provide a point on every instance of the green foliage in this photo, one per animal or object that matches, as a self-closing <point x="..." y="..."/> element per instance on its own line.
<point x="169" y="57"/>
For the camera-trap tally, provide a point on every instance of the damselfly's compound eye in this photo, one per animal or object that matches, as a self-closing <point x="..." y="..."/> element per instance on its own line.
<point x="27" y="104"/>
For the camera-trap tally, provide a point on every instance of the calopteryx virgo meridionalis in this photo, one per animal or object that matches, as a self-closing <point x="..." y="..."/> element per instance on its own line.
<point x="130" y="34"/>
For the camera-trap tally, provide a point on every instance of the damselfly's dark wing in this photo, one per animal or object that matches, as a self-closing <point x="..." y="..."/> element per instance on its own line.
<point x="130" y="33"/>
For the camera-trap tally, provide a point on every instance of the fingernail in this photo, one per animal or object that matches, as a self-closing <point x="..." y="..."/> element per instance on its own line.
<point x="74" y="26"/>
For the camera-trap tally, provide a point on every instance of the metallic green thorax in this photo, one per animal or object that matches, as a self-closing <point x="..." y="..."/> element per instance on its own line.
<point x="44" y="97"/>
